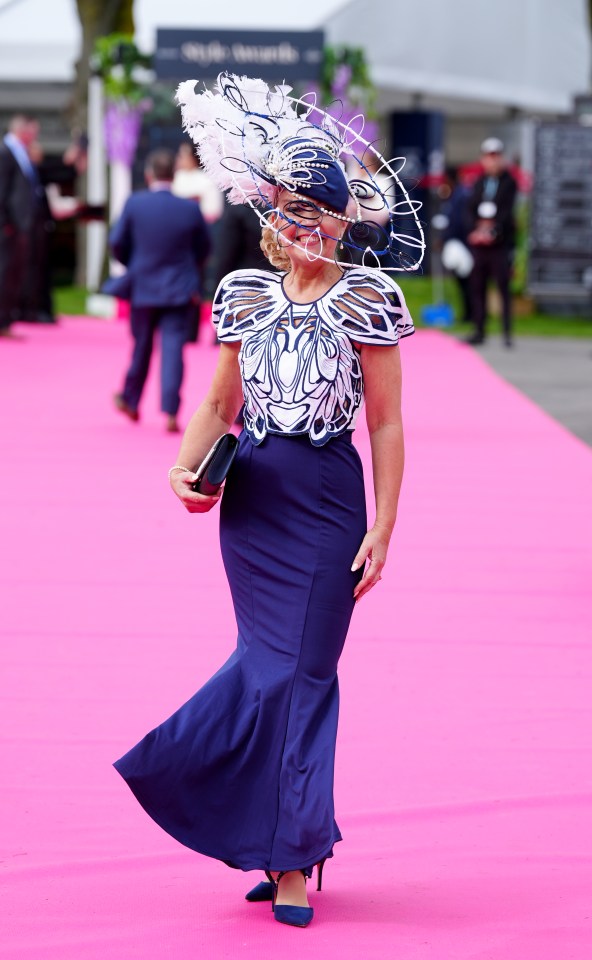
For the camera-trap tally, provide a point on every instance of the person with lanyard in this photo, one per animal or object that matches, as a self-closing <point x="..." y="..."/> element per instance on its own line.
<point x="19" y="198"/>
<point x="492" y="237"/>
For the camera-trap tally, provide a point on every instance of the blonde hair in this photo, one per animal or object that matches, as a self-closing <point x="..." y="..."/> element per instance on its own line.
<point x="276" y="255"/>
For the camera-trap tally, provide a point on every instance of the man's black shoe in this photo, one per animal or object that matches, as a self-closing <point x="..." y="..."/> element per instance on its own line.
<point x="123" y="407"/>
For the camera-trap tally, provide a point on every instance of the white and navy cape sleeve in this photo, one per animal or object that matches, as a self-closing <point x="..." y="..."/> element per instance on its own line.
<point x="370" y="308"/>
<point x="244" y="300"/>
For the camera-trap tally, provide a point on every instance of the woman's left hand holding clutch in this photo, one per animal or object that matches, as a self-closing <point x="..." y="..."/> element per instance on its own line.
<point x="193" y="502"/>
<point x="374" y="548"/>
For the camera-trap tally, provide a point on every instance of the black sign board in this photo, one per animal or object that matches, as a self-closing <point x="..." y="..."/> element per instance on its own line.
<point x="560" y="258"/>
<point x="269" y="55"/>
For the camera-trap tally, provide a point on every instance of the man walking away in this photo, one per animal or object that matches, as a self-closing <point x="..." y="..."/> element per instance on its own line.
<point x="163" y="241"/>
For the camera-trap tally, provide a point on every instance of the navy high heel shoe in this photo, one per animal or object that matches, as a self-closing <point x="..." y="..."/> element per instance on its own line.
<point x="261" y="893"/>
<point x="286" y="912"/>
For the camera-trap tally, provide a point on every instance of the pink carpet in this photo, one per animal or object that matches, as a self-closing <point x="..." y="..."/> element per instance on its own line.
<point x="464" y="758"/>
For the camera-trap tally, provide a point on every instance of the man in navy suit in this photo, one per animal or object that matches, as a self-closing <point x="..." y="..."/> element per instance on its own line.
<point x="163" y="241"/>
<point x="19" y="186"/>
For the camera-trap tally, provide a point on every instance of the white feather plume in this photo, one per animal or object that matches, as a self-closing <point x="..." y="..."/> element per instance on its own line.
<point x="235" y="130"/>
<point x="245" y="135"/>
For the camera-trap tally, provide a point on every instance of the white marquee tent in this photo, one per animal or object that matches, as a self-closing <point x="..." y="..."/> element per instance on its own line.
<point x="531" y="55"/>
<point x="490" y="67"/>
<point x="521" y="55"/>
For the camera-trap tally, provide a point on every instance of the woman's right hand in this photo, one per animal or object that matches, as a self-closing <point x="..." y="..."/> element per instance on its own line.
<point x="193" y="502"/>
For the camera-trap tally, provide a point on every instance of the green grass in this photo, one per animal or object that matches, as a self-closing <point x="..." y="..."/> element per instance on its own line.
<point x="418" y="293"/>
<point x="70" y="300"/>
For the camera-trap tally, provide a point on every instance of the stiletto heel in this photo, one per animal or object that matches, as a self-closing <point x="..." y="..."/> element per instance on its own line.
<point x="274" y="886"/>
<point x="320" y="866"/>
<point x="286" y="912"/>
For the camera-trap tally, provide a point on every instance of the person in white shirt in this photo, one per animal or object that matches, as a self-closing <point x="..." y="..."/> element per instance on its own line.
<point x="192" y="182"/>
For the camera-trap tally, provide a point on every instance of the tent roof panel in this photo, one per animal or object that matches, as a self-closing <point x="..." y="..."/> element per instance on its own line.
<point x="533" y="55"/>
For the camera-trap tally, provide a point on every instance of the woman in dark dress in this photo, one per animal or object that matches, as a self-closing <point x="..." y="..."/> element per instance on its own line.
<point x="243" y="772"/>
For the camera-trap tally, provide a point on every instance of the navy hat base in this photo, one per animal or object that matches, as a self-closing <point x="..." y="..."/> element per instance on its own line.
<point x="311" y="169"/>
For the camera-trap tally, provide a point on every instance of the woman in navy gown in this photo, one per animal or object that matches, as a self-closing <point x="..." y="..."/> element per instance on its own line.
<point x="243" y="772"/>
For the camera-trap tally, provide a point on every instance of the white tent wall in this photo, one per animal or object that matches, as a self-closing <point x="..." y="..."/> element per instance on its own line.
<point x="532" y="55"/>
<point x="489" y="66"/>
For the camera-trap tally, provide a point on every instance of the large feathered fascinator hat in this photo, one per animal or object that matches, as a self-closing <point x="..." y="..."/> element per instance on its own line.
<point x="254" y="142"/>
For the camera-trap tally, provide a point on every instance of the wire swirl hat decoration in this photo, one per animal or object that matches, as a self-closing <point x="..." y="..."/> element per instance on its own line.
<point x="255" y="142"/>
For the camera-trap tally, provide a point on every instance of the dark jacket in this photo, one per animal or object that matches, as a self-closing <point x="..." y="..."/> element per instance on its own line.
<point x="237" y="241"/>
<point x="163" y="240"/>
<point x="17" y="195"/>
<point x="504" y="199"/>
<point x="456" y="209"/>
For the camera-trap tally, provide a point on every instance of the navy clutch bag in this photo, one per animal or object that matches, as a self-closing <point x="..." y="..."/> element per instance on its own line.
<point x="213" y="469"/>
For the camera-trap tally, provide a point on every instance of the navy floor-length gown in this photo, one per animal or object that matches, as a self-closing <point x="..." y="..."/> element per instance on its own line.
<point x="244" y="770"/>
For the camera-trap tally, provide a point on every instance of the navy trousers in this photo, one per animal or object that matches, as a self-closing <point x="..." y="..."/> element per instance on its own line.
<point x="173" y="323"/>
<point x="491" y="263"/>
<point x="14" y="251"/>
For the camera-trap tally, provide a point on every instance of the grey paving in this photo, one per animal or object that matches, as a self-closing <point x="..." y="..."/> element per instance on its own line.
<point x="555" y="372"/>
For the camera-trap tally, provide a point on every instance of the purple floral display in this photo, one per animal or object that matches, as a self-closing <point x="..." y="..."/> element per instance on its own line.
<point x="122" y="131"/>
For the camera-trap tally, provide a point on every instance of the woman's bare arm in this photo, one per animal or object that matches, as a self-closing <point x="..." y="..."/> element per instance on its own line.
<point x="381" y="367"/>
<point x="214" y="416"/>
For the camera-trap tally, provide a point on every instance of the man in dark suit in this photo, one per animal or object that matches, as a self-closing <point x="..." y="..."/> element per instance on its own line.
<point x="238" y="239"/>
<point x="163" y="241"/>
<point x="19" y="186"/>
<point x="492" y="237"/>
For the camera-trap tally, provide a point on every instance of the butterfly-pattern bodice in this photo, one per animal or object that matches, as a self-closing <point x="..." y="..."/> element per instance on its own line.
<point x="300" y="363"/>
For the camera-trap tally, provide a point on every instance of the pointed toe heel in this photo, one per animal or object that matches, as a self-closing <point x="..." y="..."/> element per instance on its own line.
<point x="287" y="912"/>
<point x="295" y="916"/>
<point x="262" y="893"/>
